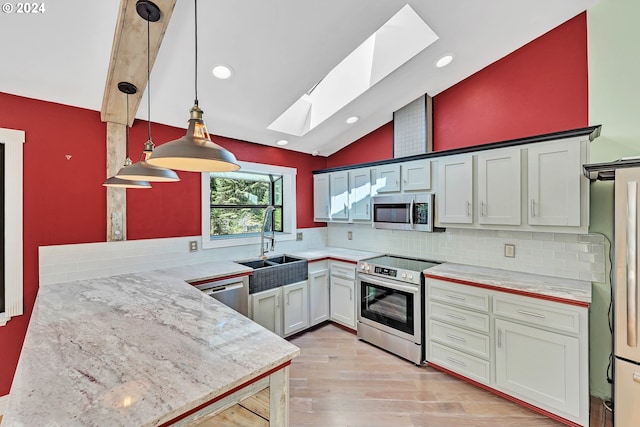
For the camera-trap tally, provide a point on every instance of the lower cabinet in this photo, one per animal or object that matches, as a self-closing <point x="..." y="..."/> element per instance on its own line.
<point x="531" y="349"/>
<point x="343" y="294"/>
<point x="318" y="296"/>
<point x="283" y="310"/>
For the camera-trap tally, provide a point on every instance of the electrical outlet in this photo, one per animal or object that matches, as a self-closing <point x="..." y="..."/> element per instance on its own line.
<point x="349" y="235"/>
<point x="193" y="246"/>
<point x="299" y="235"/>
<point x="510" y="251"/>
<point x="116" y="226"/>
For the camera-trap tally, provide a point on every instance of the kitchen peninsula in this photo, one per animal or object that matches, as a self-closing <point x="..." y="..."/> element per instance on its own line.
<point x="143" y="349"/>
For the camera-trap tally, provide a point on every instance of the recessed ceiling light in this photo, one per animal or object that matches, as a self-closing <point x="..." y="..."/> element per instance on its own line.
<point x="282" y="142"/>
<point x="444" y="61"/>
<point x="222" y="72"/>
<point x="351" y="120"/>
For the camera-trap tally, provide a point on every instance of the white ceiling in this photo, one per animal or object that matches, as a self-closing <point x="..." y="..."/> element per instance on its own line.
<point x="279" y="49"/>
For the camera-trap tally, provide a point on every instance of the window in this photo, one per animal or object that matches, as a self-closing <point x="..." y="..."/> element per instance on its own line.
<point x="12" y="142"/>
<point x="234" y="204"/>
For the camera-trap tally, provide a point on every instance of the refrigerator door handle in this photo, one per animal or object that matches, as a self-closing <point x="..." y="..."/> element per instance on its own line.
<point x="631" y="261"/>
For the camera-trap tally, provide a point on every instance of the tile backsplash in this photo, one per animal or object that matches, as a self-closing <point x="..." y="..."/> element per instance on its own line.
<point x="570" y="256"/>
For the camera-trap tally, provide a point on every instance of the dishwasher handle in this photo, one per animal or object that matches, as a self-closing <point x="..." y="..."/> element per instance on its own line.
<point x="221" y="288"/>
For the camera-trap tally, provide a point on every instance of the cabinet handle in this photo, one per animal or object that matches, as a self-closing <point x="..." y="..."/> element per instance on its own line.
<point x="453" y="337"/>
<point x="345" y="209"/>
<point x="533" y="208"/>
<point x="458" y="297"/>
<point x="529" y="313"/>
<point x="499" y="338"/>
<point x="277" y="301"/>
<point x="288" y="299"/>
<point x="482" y="208"/>
<point x="350" y="294"/>
<point x="468" y="208"/>
<point x="631" y="264"/>
<point x="456" y="316"/>
<point x="366" y="209"/>
<point x="456" y="361"/>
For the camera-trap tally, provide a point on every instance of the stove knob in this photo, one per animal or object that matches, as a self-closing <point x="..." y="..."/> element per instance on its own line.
<point x="367" y="267"/>
<point x="410" y="276"/>
<point x="403" y="275"/>
<point x="361" y="266"/>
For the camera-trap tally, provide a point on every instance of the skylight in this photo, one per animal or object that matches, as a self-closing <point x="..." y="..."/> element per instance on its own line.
<point x="401" y="38"/>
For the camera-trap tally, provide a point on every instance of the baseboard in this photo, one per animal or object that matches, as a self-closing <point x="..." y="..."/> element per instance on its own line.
<point x="3" y="403"/>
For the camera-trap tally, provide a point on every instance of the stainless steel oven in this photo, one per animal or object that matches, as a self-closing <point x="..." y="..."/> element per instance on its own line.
<point x="390" y="304"/>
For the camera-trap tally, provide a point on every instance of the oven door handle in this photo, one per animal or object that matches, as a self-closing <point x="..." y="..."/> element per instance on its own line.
<point x="390" y="284"/>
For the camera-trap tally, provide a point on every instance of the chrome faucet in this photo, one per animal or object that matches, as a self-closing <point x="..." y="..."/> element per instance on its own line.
<point x="273" y="233"/>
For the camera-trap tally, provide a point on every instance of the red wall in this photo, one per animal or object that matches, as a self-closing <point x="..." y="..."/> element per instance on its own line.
<point x="65" y="202"/>
<point x="539" y="88"/>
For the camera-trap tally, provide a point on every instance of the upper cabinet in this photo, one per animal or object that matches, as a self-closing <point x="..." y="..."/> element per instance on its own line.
<point x="498" y="187"/>
<point x="416" y="175"/>
<point x="321" y="197"/>
<point x="385" y="178"/>
<point x="339" y="195"/>
<point x="360" y="194"/>
<point x="554" y="179"/>
<point x="455" y="189"/>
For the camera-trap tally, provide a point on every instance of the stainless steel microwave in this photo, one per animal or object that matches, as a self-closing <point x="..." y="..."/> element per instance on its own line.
<point x="404" y="212"/>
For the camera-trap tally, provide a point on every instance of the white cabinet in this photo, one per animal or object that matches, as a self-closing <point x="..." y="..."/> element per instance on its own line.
<point x="360" y="194"/>
<point x="266" y="309"/>
<point x="538" y="366"/>
<point x="554" y="183"/>
<point x="321" y="200"/>
<point x="385" y="179"/>
<point x="318" y="294"/>
<point x="498" y="186"/>
<point x="339" y="195"/>
<point x="455" y="190"/>
<point x="343" y="294"/>
<point x="416" y="175"/>
<point x="296" y="307"/>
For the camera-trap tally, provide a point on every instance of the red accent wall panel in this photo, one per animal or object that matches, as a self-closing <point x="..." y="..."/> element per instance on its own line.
<point x="378" y="145"/>
<point x="540" y="88"/>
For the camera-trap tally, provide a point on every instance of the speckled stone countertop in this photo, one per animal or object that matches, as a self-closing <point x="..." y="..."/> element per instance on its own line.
<point x="135" y="350"/>
<point x="554" y="288"/>
<point x="350" y="255"/>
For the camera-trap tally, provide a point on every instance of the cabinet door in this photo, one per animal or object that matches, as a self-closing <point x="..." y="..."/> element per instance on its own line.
<point x="385" y="179"/>
<point x="455" y="190"/>
<point x="339" y="190"/>
<point x="416" y="175"/>
<point x="266" y="310"/>
<point x="360" y="195"/>
<point x="499" y="187"/>
<point x="343" y="306"/>
<point x="318" y="297"/>
<point x="539" y="367"/>
<point x="321" y="197"/>
<point x="296" y="307"/>
<point x="554" y="174"/>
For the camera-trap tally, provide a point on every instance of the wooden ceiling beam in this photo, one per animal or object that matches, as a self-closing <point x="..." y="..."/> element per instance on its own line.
<point x="129" y="58"/>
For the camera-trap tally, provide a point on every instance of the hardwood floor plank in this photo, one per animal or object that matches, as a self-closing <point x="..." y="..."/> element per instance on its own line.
<point x="340" y="381"/>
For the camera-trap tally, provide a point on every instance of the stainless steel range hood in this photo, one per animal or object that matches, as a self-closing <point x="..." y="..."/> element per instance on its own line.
<point x="607" y="171"/>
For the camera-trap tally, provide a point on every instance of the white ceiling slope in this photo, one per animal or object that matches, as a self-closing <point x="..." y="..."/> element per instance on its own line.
<point x="279" y="50"/>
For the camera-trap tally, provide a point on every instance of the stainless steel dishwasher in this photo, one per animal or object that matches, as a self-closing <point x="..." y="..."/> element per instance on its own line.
<point x="232" y="291"/>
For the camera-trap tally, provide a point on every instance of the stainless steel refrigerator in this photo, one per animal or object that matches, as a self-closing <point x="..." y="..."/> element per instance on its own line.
<point x="626" y="295"/>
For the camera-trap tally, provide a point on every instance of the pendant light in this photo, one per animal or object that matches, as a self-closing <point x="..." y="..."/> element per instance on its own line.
<point x="143" y="170"/>
<point x="194" y="152"/>
<point x="114" y="181"/>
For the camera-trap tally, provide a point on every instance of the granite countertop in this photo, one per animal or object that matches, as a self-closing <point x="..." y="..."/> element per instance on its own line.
<point x="135" y="349"/>
<point x="349" y="255"/>
<point x="568" y="290"/>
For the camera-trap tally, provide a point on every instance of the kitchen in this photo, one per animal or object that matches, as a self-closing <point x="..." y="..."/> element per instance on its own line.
<point x="76" y="211"/>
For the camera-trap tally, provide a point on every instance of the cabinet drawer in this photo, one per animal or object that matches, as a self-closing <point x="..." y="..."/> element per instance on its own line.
<point x="318" y="265"/>
<point x="464" y="364"/>
<point x="540" y="313"/>
<point x="467" y="341"/>
<point x="460" y="317"/>
<point x="346" y="271"/>
<point x="453" y="293"/>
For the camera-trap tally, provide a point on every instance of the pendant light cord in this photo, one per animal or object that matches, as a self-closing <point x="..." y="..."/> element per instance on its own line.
<point x="148" y="76"/>
<point x="127" y="125"/>
<point x="196" y="51"/>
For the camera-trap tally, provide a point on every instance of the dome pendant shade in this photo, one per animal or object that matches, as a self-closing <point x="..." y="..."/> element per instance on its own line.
<point x="142" y="171"/>
<point x="125" y="183"/>
<point x="194" y="152"/>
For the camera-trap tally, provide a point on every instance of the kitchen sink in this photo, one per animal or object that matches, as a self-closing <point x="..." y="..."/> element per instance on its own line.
<point x="274" y="272"/>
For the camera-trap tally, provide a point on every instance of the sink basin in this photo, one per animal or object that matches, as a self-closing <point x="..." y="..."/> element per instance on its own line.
<point x="275" y="272"/>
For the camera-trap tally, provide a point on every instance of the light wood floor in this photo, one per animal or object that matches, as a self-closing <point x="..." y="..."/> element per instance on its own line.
<point x="339" y="381"/>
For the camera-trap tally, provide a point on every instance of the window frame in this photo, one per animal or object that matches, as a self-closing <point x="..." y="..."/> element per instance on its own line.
<point x="13" y="141"/>
<point x="288" y="210"/>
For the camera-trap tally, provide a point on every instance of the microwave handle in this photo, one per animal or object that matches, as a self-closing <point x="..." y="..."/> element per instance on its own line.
<point x="411" y="214"/>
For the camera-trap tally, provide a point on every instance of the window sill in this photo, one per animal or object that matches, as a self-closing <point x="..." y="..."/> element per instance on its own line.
<point x="242" y="241"/>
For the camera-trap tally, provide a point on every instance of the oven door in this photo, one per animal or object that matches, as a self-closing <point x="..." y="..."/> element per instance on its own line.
<point x="390" y="306"/>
